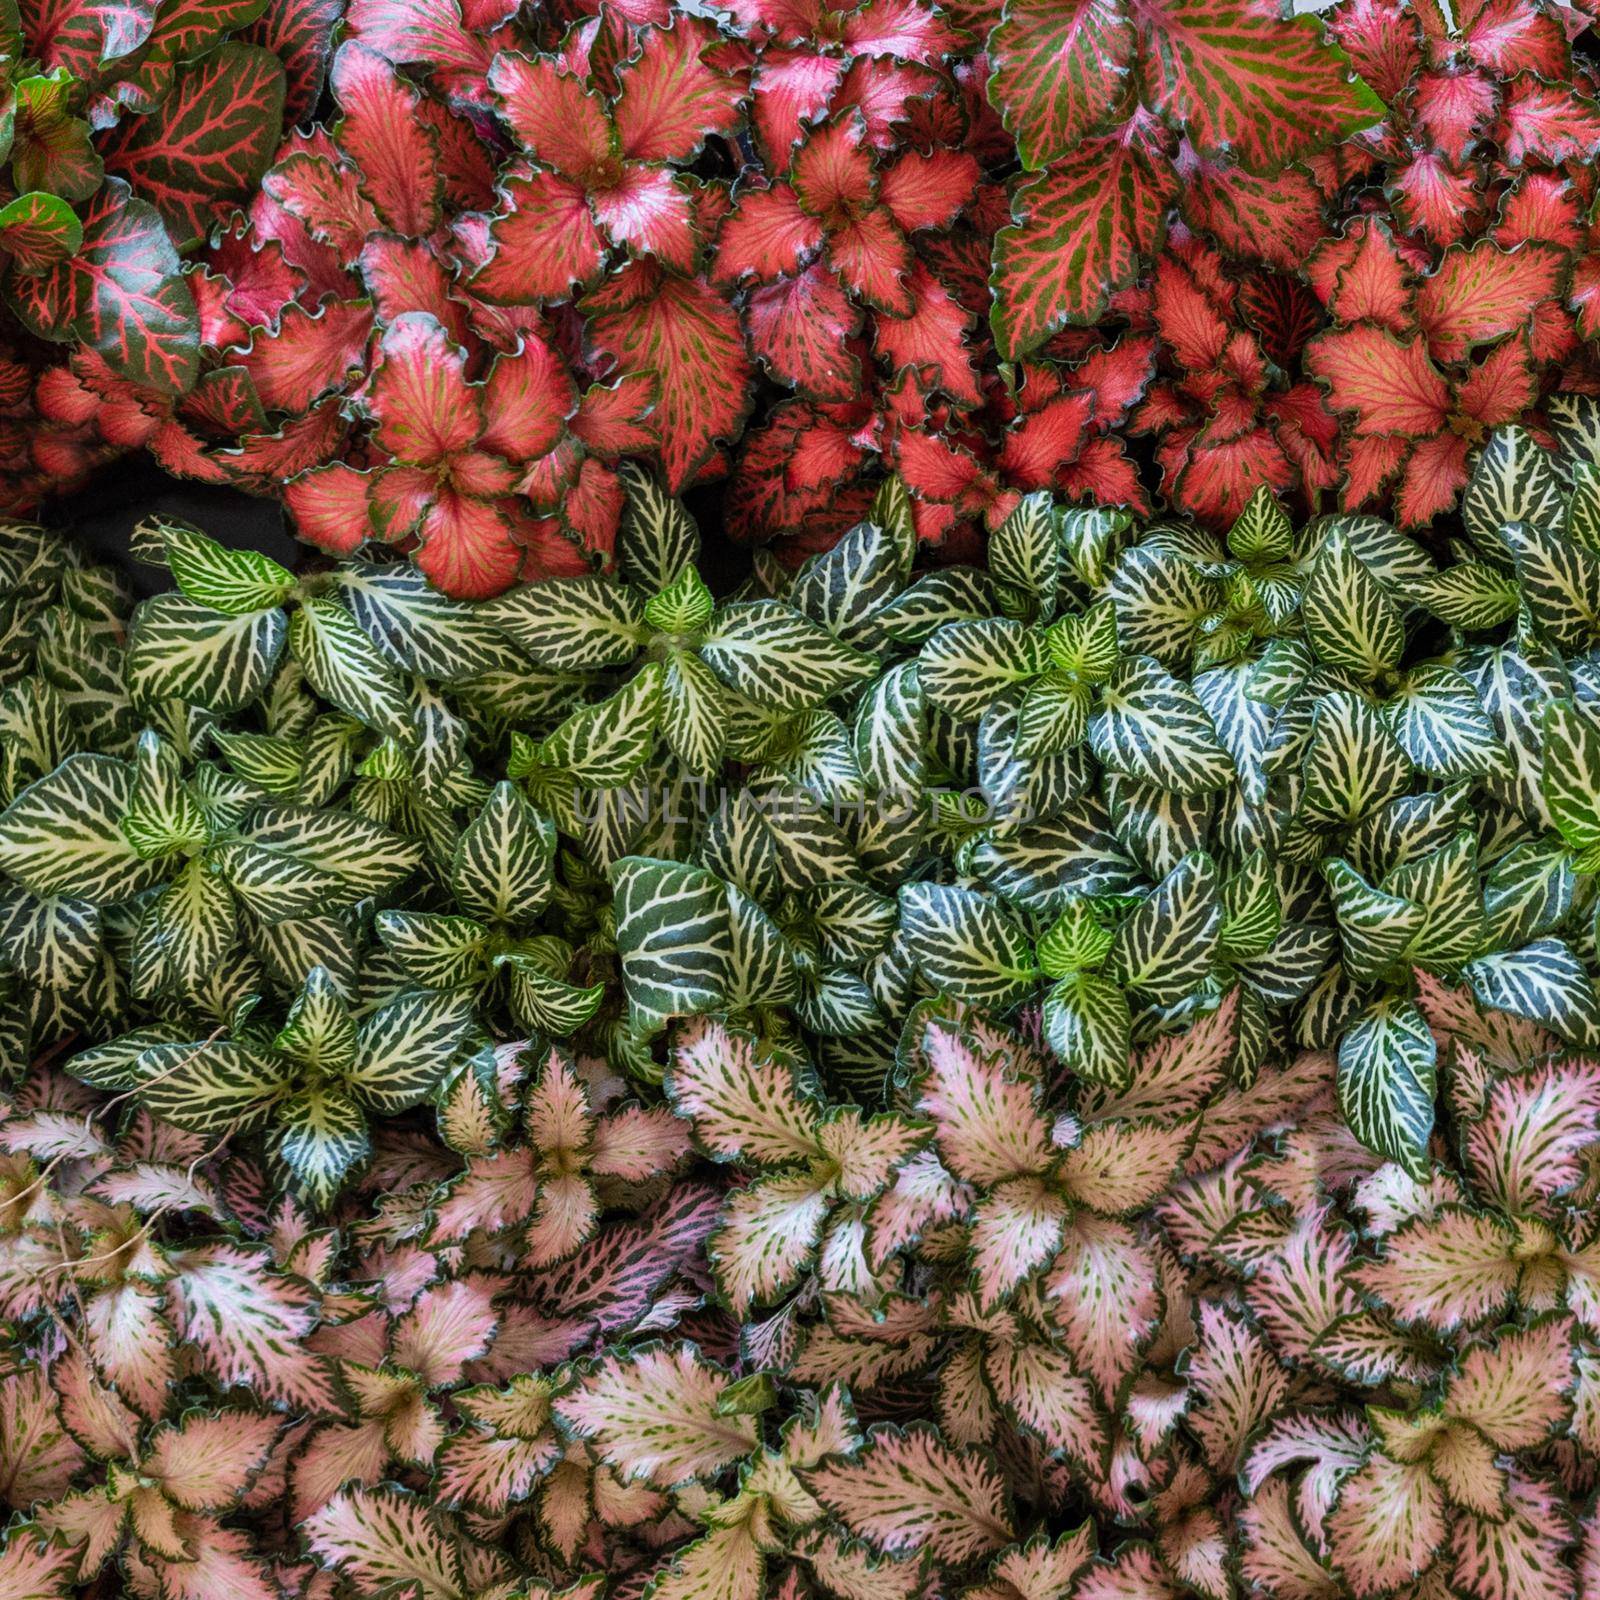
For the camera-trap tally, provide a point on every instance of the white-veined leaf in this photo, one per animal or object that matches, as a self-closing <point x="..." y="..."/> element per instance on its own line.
<point x="1387" y="1082"/>
<point x="178" y="650"/>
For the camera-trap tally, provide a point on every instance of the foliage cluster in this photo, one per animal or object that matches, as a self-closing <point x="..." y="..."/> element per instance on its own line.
<point x="1069" y="1080"/>
<point x="1126" y="255"/>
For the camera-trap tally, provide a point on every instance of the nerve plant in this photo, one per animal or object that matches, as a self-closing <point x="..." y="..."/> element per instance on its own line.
<point x="955" y="1119"/>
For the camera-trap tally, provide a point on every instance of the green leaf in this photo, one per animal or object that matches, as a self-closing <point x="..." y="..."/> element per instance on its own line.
<point x="343" y="665"/>
<point x="38" y="230"/>
<point x="1167" y="945"/>
<point x="1153" y="727"/>
<point x="1387" y="1081"/>
<point x="891" y="733"/>
<point x="1076" y="942"/>
<point x="235" y="582"/>
<point x="180" y="650"/>
<point x="657" y="538"/>
<point x="844" y="588"/>
<point x="1445" y="884"/>
<point x="1470" y="595"/>
<point x="1375" y="928"/>
<point x="321" y="1139"/>
<point x="547" y="1003"/>
<point x="967" y="664"/>
<point x="1353" y="764"/>
<point x="61" y="835"/>
<point x="967" y="945"/>
<point x="1513" y="480"/>
<point x="501" y="871"/>
<point x="1025" y="556"/>
<point x="576" y="625"/>
<point x="771" y="654"/>
<point x="1560" y="585"/>
<point x="434" y="951"/>
<point x="1543" y="982"/>
<point x="404" y="1050"/>
<point x="49" y="943"/>
<point x="1439" y="721"/>
<point x="693" y="712"/>
<point x="417" y="629"/>
<point x="275" y="885"/>
<point x="1351" y="623"/>
<point x="1252" y="911"/>
<point x="163" y="818"/>
<point x="319" y="1032"/>
<point x="1087" y="1024"/>
<point x="185" y="933"/>
<point x="1570" y="781"/>
<point x="1262" y="532"/>
<point x="683" y="608"/>
<point x="211" y="1087"/>
<point x="605" y="745"/>
<point x="951" y="594"/>
<point x="367" y="859"/>
<point x="673" y="938"/>
<point x="1527" y="892"/>
<point x="1161" y="600"/>
<point x="267" y="760"/>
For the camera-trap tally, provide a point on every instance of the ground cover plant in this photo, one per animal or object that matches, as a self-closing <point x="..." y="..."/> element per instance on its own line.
<point x="1155" y="256"/>
<point x="1072" y="1077"/>
<point x="1040" y="1041"/>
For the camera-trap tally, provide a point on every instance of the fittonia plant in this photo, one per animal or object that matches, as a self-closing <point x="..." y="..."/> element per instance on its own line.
<point x="691" y="1082"/>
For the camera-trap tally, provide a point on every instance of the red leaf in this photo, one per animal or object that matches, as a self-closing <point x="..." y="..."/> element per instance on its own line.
<point x="934" y="337"/>
<point x="927" y="191"/>
<point x="872" y="257"/>
<point x="1036" y="445"/>
<point x="263" y="461"/>
<point x="1548" y="122"/>
<point x="527" y="398"/>
<point x="613" y="418"/>
<point x="1501" y="387"/>
<point x="669" y="99"/>
<point x="309" y="354"/>
<point x="1282" y="312"/>
<point x="1217" y="481"/>
<point x="330" y="507"/>
<point x="903" y="29"/>
<point x="430" y="31"/>
<point x="37" y="231"/>
<point x="300" y="34"/>
<point x="790" y="89"/>
<point x="648" y="211"/>
<point x="832" y="174"/>
<point x="1080" y="233"/>
<point x="766" y="235"/>
<point x="1482" y="293"/>
<point x="208" y="141"/>
<point x="1186" y="317"/>
<point x="1389" y="386"/>
<point x="382" y="135"/>
<point x="555" y="117"/>
<point x="426" y="412"/>
<point x="1435" y="474"/>
<point x="327" y="199"/>
<point x="1512" y="36"/>
<point x="125" y="296"/>
<point x="545" y="243"/>
<point x="1452" y="109"/>
<point x="1060" y="71"/>
<point x="405" y="275"/>
<point x="1277" y="219"/>
<point x="801" y="329"/>
<point x="1238" y="78"/>
<point x="1434" y="198"/>
<point x="1382" y="40"/>
<point x="1541" y="206"/>
<point x="1103" y="475"/>
<point x="1371" y="284"/>
<point x="467" y="547"/>
<point x="686" y="333"/>
<point x="84" y="35"/>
